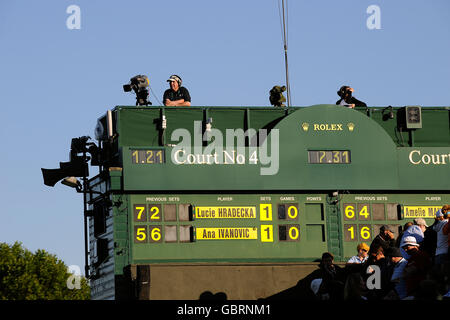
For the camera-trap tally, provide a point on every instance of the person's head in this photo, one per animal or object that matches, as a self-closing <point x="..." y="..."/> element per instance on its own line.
<point x="327" y="259"/>
<point x="175" y="82"/>
<point x="439" y="215"/>
<point x="446" y="211"/>
<point x="385" y="231"/>
<point x="395" y="254"/>
<point x="345" y="91"/>
<point x="421" y="223"/>
<point x="363" y="249"/>
<point x="410" y="245"/>
<point x="376" y="252"/>
<point x="407" y="225"/>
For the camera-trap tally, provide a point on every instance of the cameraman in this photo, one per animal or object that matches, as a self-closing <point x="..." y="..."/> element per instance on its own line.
<point x="345" y="92"/>
<point x="176" y="95"/>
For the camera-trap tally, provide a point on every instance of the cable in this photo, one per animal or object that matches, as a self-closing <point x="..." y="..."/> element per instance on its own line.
<point x="287" y="22"/>
<point x="281" y="22"/>
<point x="288" y="89"/>
<point x="402" y="142"/>
<point x="154" y="95"/>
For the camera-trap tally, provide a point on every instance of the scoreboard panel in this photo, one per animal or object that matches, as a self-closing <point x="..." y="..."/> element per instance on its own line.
<point x="265" y="227"/>
<point x="251" y="191"/>
<point x="235" y="227"/>
<point x="362" y="215"/>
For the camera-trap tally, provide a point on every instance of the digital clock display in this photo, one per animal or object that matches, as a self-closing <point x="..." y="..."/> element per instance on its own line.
<point x="147" y="156"/>
<point x="329" y="157"/>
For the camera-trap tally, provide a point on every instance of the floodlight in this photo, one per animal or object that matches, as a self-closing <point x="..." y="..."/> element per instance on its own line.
<point x="71" y="182"/>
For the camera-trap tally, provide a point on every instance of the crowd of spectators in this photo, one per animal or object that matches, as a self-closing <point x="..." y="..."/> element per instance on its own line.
<point x="415" y="266"/>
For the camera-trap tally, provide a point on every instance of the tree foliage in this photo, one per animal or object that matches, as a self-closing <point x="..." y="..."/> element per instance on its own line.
<point x="25" y="275"/>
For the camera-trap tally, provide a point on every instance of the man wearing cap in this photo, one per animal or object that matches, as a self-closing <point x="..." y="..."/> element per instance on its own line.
<point x="417" y="267"/>
<point x="385" y="238"/>
<point x="417" y="231"/>
<point x="176" y="95"/>
<point x="398" y="278"/>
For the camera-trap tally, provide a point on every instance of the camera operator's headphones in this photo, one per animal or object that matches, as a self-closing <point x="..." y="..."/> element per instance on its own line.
<point x="176" y="78"/>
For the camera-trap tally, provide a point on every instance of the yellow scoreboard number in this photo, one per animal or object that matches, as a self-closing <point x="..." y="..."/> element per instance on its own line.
<point x="147" y="212"/>
<point x="146" y="234"/>
<point x="266" y="233"/>
<point x="353" y="232"/>
<point x="289" y="232"/>
<point x="140" y="234"/>
<point x="356" y="212"/>
<point x="265" y="212"/>
<point x="155" y="234"/>
<point x="288" y="211"/>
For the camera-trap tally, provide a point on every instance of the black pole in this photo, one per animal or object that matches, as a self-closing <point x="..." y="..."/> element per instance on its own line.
<point x="85" y="188"/>
<point x="288" y="89"/>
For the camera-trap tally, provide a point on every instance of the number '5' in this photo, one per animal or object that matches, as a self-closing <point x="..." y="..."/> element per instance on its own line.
<point x="140" y="234"/>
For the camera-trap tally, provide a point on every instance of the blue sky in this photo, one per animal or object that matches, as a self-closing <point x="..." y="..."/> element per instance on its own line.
<point x="55" y="82"/>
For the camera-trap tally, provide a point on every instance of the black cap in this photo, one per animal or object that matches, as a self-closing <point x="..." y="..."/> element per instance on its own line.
<point x="394" y="252"/>
<point x="384" y="228"/>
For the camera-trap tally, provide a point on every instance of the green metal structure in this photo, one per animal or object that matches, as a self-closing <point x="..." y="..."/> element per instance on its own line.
<point x="243" y="200"/>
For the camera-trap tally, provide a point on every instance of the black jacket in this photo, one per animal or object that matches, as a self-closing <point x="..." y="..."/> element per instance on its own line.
<point x="384" y="243"/>
<point x="354" y="101"/>
<point x="181" y="93"/>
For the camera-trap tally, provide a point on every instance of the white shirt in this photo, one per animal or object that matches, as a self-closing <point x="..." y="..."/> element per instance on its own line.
<point x="356" y="259"/>
<point x="343" y="103"/>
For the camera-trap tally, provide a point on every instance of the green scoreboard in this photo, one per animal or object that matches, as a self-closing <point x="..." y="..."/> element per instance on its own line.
<point x="235" y="227"/>
<point x="253" y="192"/>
